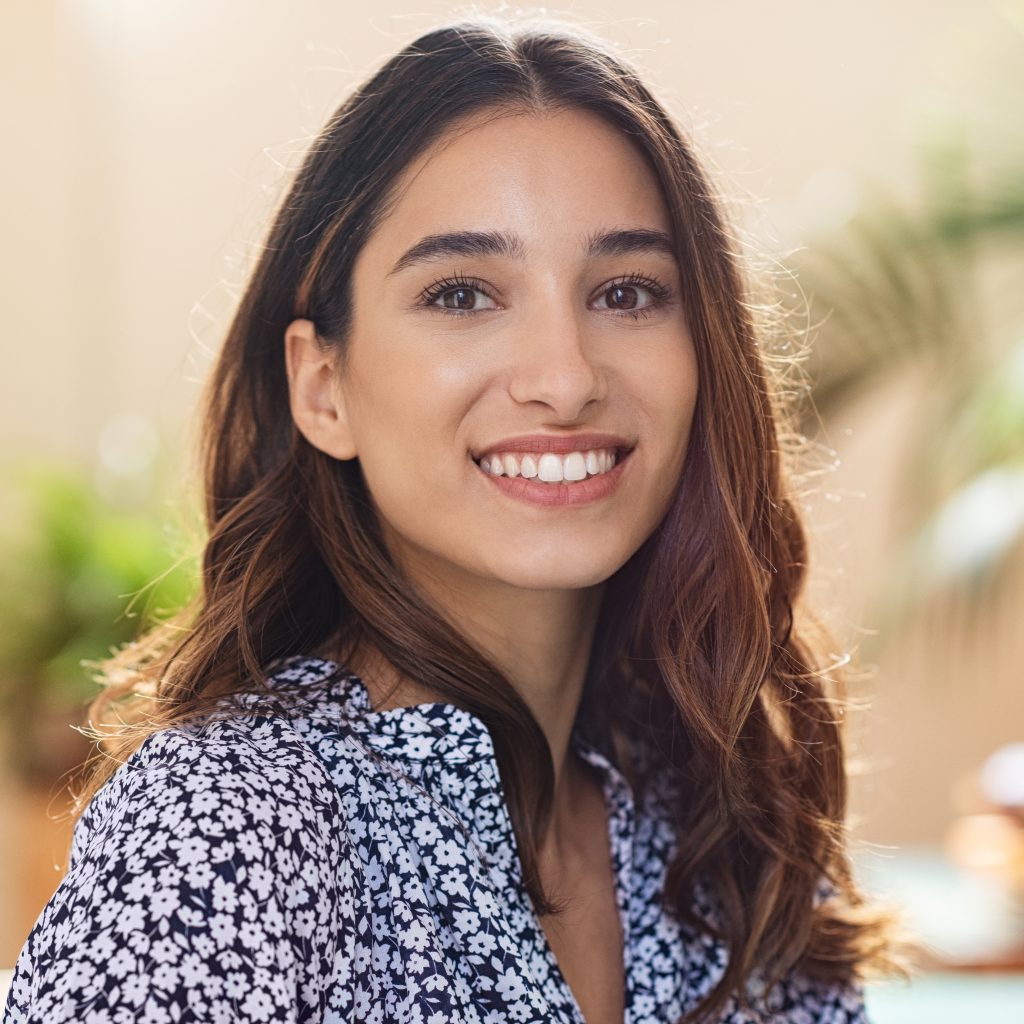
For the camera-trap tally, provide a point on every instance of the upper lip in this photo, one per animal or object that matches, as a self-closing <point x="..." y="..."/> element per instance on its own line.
<point x="560" y="444"/>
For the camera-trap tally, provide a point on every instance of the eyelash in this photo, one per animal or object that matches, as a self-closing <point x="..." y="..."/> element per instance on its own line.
<point x="659" y="291"/>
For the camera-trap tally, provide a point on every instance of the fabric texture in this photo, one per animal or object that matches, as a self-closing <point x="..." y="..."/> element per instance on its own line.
<point x="335" y="863"/>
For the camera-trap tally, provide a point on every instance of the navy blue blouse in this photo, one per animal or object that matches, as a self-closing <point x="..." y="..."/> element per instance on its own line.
<point x="335" y="863"/>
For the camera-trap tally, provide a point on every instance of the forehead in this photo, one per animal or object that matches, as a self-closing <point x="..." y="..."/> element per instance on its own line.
<point x="553" y="178"/>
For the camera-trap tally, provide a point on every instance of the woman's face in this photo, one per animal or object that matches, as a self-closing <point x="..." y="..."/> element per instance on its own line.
<point x="569" y="327"/>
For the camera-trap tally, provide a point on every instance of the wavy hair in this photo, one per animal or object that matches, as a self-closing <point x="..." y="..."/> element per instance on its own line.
<point x="697" y="647"/>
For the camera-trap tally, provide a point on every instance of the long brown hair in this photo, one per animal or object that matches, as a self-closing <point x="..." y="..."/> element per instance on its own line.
<point x="697" y="647"/>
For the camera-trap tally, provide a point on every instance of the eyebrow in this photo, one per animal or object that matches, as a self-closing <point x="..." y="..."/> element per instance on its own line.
<point x="611" y="242"/>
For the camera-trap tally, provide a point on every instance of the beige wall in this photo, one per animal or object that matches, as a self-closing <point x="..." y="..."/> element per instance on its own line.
<point x="145" y="143"/>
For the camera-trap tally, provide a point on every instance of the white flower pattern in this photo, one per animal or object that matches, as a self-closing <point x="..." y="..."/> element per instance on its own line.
<point x="325" y="862"/>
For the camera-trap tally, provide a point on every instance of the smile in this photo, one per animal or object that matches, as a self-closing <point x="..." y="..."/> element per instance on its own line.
<point x="548" y="479"/>
<point x="549" y="468"/>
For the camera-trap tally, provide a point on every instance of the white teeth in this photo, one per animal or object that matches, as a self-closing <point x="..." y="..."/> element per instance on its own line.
<point x="549" y="467"/>
<point x="575" y="467"/>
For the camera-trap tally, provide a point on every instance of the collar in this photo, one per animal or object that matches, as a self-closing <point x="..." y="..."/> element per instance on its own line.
<point x="435" y="731"/>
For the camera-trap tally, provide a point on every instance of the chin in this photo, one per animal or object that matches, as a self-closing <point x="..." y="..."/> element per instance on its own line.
<point x="563" y="576"/>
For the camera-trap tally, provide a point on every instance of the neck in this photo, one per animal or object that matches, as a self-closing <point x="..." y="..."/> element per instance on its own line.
<point x="539" y="639"/>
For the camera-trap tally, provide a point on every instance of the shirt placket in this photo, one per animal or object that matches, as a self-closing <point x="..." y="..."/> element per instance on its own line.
<point x="621" y="830"/>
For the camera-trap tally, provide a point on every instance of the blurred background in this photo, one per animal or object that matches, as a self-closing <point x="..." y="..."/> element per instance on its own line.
<point x="874" y="156"/>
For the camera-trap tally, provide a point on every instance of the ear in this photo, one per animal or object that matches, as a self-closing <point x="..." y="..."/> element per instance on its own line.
<point x="317" y="404"/>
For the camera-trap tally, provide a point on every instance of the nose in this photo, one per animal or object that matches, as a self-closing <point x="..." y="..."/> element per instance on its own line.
<point x="553" y="363"/>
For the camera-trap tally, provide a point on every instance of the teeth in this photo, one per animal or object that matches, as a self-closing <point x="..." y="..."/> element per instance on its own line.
<point x="553" y="469"/>
<point x="549" y="467"/>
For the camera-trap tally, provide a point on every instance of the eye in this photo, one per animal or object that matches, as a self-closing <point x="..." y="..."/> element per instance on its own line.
<point x="459" y="290"/>
<point x="625" y="296"/>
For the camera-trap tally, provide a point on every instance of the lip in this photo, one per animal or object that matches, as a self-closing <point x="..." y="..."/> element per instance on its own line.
<point x="578" y="492"/>
<point x="560" y="444"/>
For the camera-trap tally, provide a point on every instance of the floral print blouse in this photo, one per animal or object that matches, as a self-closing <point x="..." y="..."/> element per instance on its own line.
<point x="337" y="864"/>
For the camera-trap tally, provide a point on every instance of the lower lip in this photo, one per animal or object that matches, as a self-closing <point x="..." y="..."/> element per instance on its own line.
<point x="579" y="492"/>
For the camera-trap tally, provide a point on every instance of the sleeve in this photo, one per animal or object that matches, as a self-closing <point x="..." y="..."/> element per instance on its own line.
<point x="209" y="885"/>
<point x="798" y="999"/>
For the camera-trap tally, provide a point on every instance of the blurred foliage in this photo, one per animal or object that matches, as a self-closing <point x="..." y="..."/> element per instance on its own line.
<point x="931" y="289"/>
<point x="81" y="576"/>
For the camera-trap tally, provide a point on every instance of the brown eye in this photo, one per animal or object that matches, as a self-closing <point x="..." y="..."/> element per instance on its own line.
<point x="463" y="298"/>
<point x="623" y="297"/>
<point x="635" y="296"/>
<point x="458" y="296"/>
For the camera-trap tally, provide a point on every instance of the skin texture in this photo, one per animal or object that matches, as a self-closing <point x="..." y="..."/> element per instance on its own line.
<point x="544" y="348"/>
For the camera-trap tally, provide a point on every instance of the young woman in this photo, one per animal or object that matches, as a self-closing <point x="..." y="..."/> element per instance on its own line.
<point x="492" y="706"/>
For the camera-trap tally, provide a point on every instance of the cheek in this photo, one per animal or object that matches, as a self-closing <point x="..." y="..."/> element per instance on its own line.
<point x="672" y="386"/>
<point x="389" y="396"/>
<point x="406" y="418"/>
<point x="671" y="408"/>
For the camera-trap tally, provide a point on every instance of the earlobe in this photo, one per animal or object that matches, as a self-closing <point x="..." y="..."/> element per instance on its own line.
<point x="317" y="405"/>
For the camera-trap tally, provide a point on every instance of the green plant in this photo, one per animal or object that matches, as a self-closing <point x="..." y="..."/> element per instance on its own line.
<point x="82" y="575"/>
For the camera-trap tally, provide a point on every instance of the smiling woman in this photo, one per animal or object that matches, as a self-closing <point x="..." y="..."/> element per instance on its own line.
<point x="537" y="358"/>
<point x="493" y="705"/>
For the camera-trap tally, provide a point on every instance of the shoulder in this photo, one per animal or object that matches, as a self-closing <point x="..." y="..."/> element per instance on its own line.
<point x="212" y="877"/>
<point x="235" y="788"/>
<point x="239" y="802"/>
<point x="255" y="751"/>
<point x="260" y="766"/>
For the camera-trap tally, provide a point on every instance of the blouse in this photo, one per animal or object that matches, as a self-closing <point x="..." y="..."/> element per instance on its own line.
<point x="334" y="863"/>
